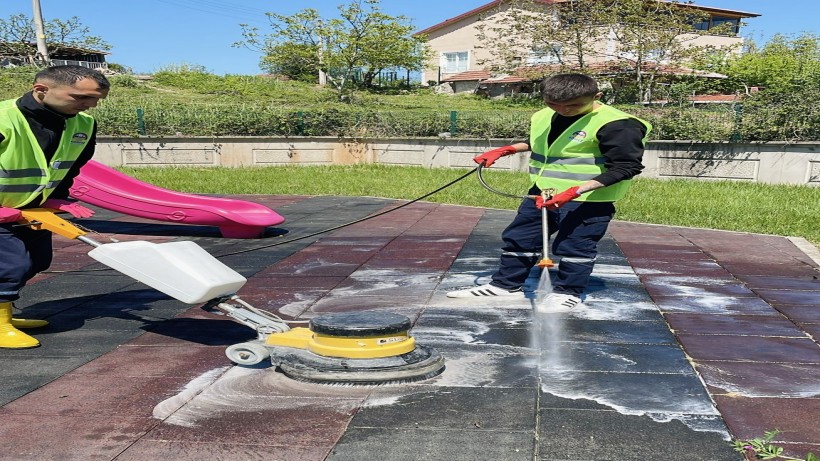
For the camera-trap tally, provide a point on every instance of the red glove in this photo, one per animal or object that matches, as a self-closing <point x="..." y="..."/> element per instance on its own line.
<point x="8" y="215"/>
<point x="489" y="157"/>
<point x="73" y="208"/>
<point x="558" y="200"/>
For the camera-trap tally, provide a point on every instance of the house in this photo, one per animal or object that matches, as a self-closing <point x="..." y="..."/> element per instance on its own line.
<point x="16" y="55"/>
<point x="457" y="50"/>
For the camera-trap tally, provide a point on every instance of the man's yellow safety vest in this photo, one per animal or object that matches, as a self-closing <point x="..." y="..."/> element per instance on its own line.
<point x="574" y="157"/>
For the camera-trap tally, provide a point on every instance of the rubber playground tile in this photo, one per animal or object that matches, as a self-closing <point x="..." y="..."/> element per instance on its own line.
<point x="488" y="366"/>
<point x="586" y="435"/>
<point x="460" y="319"/>
<point x="448" y="408"/>
<point x="421" y="286"/>
<point x="617" y="358"/>
<point x="792" y="297"/>
<point x="694" y="286"/>
<point x="195" y="332"/>
<point x="733" y="324"/>
<point x="74" y="343"/>
<point x="98" y="396"/>
<point x="713" y="305"/>
<point x="632" y="393"/>
<point x="410" y="265"/>
<point x="813" y="329"/>
<point x="751" y="417"/>
<point x="767" y="268"/>
<point x="617" y="332"/>
<point x="751" y="348"/>
<point x="144" y="450"/>
<point x="781" y="283"/>
<point x="266" y="421"/>
<point x="76" y="437"/>
<point x="158" y="361"/>
<point x="424" y="444"/>
<point x="778" y="380"/>
<point x="703" y="269"/>
<point x="799" y="314"/>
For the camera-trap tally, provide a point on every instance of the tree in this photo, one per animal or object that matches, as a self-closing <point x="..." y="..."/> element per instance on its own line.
<point x="784" y="64"/>
<point x="17" y="36"/>
<point x="630" y="37"/>
<point x="656" y="33"/>
<point x="361" y="41"/>
<point x="532" y="32"/>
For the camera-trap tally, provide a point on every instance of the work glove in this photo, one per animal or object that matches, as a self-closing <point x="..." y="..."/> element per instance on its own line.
<point x="73" y="208"/>
<point x="558" y="200"/>
<point x="489" y="157"/>
<point x="8" y="215"/>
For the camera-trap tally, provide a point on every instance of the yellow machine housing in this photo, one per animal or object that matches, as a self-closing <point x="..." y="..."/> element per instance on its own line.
<point x="353" y="347"/>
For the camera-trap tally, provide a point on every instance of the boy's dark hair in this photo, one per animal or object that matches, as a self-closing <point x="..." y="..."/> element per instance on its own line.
<point x="71" y="74"/>
<point x="565" y="87"/>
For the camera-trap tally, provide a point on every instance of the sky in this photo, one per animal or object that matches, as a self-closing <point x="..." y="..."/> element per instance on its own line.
<point x="149" y="35"/>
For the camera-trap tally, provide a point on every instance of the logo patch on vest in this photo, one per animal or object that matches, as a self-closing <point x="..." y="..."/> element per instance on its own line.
<point x="578" y="136"/>
<point x="79" y="138"/>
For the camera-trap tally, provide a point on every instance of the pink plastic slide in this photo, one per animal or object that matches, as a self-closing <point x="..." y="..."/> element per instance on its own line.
<point x="107" y="188"/>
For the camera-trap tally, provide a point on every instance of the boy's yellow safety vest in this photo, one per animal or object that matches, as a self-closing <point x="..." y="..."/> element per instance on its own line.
<point x="574" y="157"/>
<point x="24" y="171"/>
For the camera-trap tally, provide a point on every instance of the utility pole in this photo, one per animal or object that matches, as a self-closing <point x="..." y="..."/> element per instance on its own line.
<point x="42" y="48"/>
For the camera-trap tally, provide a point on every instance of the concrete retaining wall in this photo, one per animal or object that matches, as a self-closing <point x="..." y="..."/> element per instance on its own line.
<point x="774" y="163"/>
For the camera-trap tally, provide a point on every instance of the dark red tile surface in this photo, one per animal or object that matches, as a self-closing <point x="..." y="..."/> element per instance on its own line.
<point x="713" y="305"/>
<point x="81" y="437"/>
<point x="781" y="380"/>
<point x="781" y="283"/>
<point x="793" y="297"/>
<point x="752" y="417"/>
<point x="658" y="285"/>
<point x="752" y="325"/>
<point x="799" y="314"/>
<point x="156" y="450"/>
<point x="751" y="348"/>
<point x="306" y="424"/>
<point x="98" y="396"/>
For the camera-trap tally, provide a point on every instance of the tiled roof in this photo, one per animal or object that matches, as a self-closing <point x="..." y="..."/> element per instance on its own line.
<point x="485" y="7"/>
<point x="468" y="76"/>
<point x="484" y="76"/>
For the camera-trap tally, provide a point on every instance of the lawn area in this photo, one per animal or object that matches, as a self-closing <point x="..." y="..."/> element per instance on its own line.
<point x="727" y="205"/>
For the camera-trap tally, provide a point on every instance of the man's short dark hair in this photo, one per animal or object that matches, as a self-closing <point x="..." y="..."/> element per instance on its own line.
<point x="71" y="74"/>
<point x="565" y="87"/>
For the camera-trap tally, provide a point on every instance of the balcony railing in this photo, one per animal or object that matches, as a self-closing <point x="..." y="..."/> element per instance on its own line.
<point x="90" y="65"/>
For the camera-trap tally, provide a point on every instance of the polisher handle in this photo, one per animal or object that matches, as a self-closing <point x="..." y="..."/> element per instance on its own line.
<point x="44" y="219"/>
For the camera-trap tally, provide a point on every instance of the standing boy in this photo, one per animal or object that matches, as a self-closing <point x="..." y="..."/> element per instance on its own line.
<point x="589" y="152"/>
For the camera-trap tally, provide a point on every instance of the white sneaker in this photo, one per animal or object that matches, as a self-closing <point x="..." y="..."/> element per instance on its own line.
<point x="557" y="302"/>
<point x="486" y="291"/>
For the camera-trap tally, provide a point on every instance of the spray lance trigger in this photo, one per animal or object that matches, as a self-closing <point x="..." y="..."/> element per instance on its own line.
<point x="545" y="261"/>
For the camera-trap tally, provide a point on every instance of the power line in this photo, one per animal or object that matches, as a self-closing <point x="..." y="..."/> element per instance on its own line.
<point x="222" y="9"/>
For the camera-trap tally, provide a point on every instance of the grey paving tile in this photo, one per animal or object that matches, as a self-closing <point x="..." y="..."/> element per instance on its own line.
<point x="607" y="435"/>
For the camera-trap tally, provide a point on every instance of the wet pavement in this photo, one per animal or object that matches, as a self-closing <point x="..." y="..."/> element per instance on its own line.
<point x="688" y="338"/>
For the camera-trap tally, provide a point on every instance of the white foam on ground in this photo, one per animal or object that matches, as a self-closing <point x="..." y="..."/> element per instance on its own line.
<point x="252" y="389"/>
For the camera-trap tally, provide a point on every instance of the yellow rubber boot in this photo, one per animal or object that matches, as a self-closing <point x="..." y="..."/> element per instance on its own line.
<point x="11" y="337"/>
<point x="28" y="323"/>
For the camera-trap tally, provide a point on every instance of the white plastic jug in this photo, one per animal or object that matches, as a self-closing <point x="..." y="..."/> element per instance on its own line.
<point x="182" y="270"/>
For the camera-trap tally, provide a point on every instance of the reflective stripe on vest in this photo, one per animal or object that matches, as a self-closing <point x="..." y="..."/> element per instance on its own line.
<point x="24" y="171"/>
<point x="574" y="157"/>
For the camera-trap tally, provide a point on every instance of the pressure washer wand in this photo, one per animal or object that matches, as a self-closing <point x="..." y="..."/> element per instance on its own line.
<point x="545" y="262"/>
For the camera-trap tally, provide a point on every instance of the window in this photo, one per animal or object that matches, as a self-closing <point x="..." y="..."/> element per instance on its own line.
<point x="715" y="21"/>
<point x="455" y="62"/>
<point x="719" y="21"/>
<point x="544" y="54"/>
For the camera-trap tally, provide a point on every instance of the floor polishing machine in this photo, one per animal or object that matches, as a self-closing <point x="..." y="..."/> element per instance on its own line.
<point x="366" y="347"/>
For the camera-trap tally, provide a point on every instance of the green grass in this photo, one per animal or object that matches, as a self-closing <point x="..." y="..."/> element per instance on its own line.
<point x="737" y="206"/>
